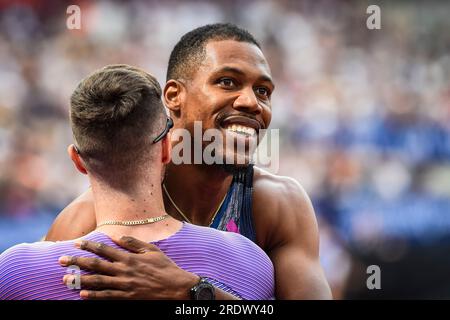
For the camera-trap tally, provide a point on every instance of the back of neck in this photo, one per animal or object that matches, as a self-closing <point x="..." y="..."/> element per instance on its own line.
<point x="142" y="203"/>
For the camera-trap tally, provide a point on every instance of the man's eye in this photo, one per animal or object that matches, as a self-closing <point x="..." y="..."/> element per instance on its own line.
<point x="262" y="91"/>
<point x="226" y="82"/>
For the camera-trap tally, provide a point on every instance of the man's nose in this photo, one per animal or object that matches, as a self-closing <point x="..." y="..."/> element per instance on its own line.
<point x="247" y="102"/>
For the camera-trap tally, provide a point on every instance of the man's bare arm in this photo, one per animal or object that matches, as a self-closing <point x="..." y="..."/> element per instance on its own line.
<point x="293" y="239"/>
<point x="76" y="220"/>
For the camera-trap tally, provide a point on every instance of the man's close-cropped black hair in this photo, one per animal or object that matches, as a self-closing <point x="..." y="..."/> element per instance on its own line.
<point x="189" y="52"/>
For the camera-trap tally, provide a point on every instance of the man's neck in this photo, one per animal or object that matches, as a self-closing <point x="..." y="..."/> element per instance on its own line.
<point x="197" y="190"/>
<point x="143" y="203"/>
<point x="121" y="206"/>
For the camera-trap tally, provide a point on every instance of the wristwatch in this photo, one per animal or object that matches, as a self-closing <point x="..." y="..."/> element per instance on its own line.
<point x="203" y="290"/>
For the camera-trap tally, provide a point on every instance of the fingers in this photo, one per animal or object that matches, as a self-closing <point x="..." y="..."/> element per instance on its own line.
<point x="95" y="265"/>
<point x="135" y="245"/>
<point x="104" y="294"/>
<point x="101" y="249"/>
<point x="98" y="282"/>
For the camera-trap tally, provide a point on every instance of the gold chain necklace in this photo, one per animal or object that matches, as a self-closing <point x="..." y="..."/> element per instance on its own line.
<point x="134" y="222"/>
<point x="181" y="212"/>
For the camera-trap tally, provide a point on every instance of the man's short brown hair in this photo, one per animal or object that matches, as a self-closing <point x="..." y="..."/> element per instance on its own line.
<point x="115" y="113"/>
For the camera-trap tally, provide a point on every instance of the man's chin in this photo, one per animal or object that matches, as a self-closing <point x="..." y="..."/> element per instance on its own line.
<point x="234" y="163"/>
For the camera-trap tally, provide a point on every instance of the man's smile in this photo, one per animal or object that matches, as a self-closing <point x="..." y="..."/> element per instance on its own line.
<point x="242" y="125"/>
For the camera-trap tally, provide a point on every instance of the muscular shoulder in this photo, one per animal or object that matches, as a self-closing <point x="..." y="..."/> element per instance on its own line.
<point x="76" y="220"/>
<point x="282" y="210"/>
<point x="284" y="188"/>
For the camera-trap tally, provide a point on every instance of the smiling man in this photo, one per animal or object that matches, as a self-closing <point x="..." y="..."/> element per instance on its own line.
<point x="109" y="110"/>
<point x="218" y="75"/>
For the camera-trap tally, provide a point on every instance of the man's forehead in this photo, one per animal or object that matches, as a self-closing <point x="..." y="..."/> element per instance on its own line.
<point x="231" y="52"/>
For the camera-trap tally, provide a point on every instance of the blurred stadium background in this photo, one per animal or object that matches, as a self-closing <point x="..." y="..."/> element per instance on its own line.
<point x="364" y="117"/>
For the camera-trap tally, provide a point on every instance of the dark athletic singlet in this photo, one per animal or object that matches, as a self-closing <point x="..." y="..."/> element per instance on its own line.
<point x="235" y="214"/>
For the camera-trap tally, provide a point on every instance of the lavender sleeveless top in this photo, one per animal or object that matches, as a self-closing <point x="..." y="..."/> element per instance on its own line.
<point x="228" y="260"/>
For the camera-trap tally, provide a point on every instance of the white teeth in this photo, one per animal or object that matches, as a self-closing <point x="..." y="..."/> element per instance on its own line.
<point x="241" y="129"/>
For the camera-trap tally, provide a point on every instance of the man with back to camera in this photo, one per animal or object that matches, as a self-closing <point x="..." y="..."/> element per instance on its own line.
<point x="110" y="110"/>
<point x="218" y="75"/>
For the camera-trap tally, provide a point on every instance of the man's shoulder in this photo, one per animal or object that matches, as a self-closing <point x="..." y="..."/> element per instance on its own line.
<point x="220" y="237"/>
<point x="276" y="194"/>
<point x="281" y="208"/>
<point x="233" y="259"/>
<point x="23" y="249"/>
<point x="268" y="183"/>
<point x="25" y="253"/>
<point x="225" y="242"/>
<point x="31" y="270"/>
<point x="35" y="253"/>
<point x="18" y="264"/>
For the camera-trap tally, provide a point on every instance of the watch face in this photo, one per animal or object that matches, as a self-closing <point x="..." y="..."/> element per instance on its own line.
<point x="205" y="292"/>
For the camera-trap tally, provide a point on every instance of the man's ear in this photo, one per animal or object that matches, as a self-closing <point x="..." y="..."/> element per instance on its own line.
<point x="76" y="159"/>
<point x="174" y="95"/>
<point x="166" y="154"/>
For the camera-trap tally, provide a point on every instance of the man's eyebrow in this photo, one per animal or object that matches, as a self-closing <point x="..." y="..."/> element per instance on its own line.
<point x="242" y="73"/>
<point x="231" y="69"/>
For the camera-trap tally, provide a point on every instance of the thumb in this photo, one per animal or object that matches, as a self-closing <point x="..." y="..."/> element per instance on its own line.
<point x="134" y="245"/>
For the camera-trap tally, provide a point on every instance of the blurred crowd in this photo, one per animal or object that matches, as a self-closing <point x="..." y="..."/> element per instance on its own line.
<point x="364" y="115"/>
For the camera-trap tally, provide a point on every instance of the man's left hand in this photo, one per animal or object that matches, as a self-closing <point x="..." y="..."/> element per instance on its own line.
<point x="143" y="273"/>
